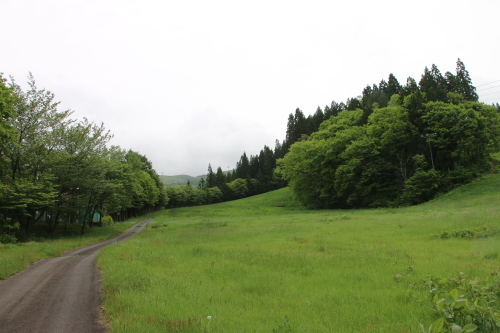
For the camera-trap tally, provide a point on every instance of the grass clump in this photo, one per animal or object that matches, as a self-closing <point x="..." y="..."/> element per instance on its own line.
<point x="467" y="233"/>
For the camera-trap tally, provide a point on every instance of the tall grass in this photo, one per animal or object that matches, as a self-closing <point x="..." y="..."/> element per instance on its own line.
<point x="264" y="264"/>
<point x="16" y="257"/>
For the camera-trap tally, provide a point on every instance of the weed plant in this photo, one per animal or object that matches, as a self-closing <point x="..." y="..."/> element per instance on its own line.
<point x="265" y="264"/>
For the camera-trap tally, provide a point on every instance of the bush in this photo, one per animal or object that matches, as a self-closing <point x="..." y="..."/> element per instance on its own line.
<point x="107" y="220"/>
<point x="421" y="187"/>
<point x="467" y="233"/>
<point x="466" y="305"/>
<point x="7" y="230"/>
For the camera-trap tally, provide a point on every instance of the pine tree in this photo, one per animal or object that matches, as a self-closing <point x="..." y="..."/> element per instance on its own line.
<point x="202" y="185"/>
<point x="463" y="84"/>
<point x="290" y="129"/>
<point x="410" y="87"/>
<point x="300" y="123"/>
<point x="433" y="84"/>
<point x="220" y="178"/>
<point x="211" y="182"/>
<point x="243" y="167"/>
<point x="253" y="166"/>
<point x="393" y="86"/>
<point x="353" y="104"/>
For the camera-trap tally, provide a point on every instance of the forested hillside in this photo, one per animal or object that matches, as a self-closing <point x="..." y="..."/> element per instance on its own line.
<point x="57" y="169"/>
<point x="393" y="145"/>
<point x="396" y="145"/>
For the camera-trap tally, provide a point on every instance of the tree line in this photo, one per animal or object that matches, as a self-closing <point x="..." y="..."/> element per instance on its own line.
<point x="393" y="145"/>
<point x="58" y="169"/>
<point x="396" y="144"/>
<point x="252" y="175"/>
<point x="273" y="168"/>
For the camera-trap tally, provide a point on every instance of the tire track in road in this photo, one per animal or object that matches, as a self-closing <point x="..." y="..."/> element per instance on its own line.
<point x="58" y="295"/>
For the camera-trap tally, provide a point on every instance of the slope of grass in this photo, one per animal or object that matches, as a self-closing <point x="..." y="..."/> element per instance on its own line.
<point x="264" y="264"/>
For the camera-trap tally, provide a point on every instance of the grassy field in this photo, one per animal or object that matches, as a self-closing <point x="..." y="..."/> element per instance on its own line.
<point x="16" y="257"/>
<point x="264" y="264"/>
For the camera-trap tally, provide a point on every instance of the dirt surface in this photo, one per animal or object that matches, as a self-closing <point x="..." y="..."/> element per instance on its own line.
<point x="57" y="295"/>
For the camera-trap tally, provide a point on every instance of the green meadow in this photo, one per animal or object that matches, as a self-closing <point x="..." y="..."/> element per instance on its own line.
<point x="265" y="264"/>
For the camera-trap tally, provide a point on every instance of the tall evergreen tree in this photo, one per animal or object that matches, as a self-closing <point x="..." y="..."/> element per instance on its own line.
<point x="243" y="167"/>
<point x="353" y="104"/>
<point x="300" y="124"/>
<point x="393" y="86"/>
<point x="253" y="166"/>
<point x="290" y="130"/>
<point x="464" y="83"/>
<point x="497" y="106"/>
<point x="220" y="178"/>
<point x="334" y="109"/>
<point x="202" y="184"/>
<point x="410" y="87"/>
<point x="211" y="181"/>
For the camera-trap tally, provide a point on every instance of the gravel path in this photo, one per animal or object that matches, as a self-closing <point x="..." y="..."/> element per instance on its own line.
<point x="57" y="295"/>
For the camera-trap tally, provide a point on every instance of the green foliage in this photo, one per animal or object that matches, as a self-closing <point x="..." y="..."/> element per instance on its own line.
<point x="7" y="132"/>
<point x="398" y="151"/>
<point x="60" y="169"/>
<point x="467" y="233"/>
<point x="7" y="231"/>
<point x="466" y="305"/>
<point x="421" y="187"/>
<point x="107" y="220"/>
<point x="239" y="188"/>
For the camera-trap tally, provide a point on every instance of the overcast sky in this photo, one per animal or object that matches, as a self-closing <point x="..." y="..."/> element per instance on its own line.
<point x="188" y="83"/>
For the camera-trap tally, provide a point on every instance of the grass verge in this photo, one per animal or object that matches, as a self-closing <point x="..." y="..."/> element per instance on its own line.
<point x="16" y="257"/>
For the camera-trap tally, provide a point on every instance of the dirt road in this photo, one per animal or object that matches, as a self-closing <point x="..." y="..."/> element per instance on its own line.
<point x="57" y="295"/>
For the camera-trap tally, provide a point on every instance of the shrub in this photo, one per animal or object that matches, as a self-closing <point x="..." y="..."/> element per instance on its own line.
<point x="466" y="305"/>
<point x="468" y="233"/>
<point x="107" y="220"/>
<point x="7" y="230"/>
<point x="421" y="187"/>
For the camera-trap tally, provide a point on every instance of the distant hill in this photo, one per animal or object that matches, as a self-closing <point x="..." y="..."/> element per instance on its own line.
<point x="180" y="180"/>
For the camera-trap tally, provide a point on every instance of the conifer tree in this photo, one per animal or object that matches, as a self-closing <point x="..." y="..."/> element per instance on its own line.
<point x="220" y="178"/>
<point x="202" y="185"/>
<point x="433" y="84"/>
<point x="393" y="86"/>
<point x="464" y="83"/>
<point x="211" y="182"/>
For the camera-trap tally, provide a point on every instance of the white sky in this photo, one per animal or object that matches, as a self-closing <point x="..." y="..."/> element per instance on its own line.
<point x="188" y="83"/>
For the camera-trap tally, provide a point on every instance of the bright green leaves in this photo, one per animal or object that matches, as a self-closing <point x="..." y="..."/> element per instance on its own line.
<point x="457" y="133"/>
<point x="402" y="155"/>
<point x="465" y="305"/>
<point x="239" y="188"/>
<point x="61" y="169"/>
<point x="436" y="327"/>
<point x="7" y="133"/>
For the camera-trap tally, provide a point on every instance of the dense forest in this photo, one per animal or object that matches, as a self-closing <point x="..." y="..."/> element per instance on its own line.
<point x="396" y="145"/>
<point x="57" y="169"/>
<point x="393" y="145"/>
